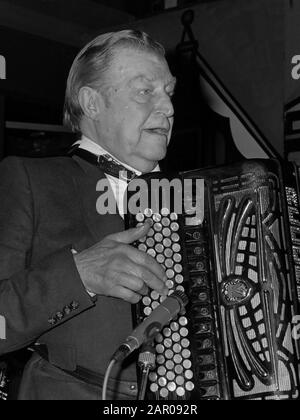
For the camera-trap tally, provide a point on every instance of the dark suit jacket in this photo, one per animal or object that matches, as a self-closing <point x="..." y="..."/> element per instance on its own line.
<point x="47" y="207"/>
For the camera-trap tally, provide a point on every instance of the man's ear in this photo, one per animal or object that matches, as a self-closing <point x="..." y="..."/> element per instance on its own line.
<point x="91" y="102"/>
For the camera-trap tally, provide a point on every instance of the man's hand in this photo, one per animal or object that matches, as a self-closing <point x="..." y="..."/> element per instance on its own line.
<point x="113" y="267"/>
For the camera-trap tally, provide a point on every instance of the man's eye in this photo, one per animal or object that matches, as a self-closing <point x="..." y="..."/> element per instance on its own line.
<point x="145" y="92"/>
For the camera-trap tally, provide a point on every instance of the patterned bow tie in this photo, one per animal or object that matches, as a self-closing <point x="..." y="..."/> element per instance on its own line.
<point x="105" y="162"/>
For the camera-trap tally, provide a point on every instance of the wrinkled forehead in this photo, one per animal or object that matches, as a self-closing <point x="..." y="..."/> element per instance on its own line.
<point x="129" y="63"/>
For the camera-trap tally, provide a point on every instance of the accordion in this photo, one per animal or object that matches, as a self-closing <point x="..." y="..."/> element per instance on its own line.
<point x="229" y="237"/>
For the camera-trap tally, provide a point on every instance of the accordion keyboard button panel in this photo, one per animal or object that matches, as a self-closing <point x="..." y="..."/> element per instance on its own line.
<point x="173" y="377"/>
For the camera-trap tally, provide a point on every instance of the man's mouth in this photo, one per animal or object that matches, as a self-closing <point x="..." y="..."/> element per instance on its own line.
<point x="158" y="130"/>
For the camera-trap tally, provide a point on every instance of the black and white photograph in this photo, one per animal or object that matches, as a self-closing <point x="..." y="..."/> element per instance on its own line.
<point x="149" y="202"/>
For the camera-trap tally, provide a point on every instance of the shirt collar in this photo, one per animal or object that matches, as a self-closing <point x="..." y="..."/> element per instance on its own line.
<point x="95" y="148"/>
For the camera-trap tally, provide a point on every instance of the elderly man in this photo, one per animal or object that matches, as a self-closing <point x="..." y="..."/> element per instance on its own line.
<point x="68" y="274"/>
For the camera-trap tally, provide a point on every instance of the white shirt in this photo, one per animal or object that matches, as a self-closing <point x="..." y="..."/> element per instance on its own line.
<point x="118" y="185"/>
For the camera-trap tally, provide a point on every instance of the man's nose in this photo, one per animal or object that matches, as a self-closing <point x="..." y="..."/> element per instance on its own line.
<point x="164" y="106"/>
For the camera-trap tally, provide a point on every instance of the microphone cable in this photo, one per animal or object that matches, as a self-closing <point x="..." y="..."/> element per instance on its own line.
<point x="106" y="378"/>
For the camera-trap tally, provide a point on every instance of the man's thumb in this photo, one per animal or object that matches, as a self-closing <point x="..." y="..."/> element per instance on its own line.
<point x="131" y="235"/>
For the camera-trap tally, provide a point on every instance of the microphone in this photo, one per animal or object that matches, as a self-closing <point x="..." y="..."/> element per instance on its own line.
<point x="152" y="325"/>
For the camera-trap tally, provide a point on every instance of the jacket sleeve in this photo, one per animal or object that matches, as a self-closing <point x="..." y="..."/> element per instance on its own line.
<point x="32" y="299"/>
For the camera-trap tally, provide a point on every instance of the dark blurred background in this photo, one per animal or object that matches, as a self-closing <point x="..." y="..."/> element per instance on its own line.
<point x="244" y="41"/>
<point x="248" y="44"/>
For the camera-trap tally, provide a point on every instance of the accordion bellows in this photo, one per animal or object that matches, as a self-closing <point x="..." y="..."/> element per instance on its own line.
<point x="238" y="263"/>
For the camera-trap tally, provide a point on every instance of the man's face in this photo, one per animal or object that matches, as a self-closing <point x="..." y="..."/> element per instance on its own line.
<point x="136" y="121"/>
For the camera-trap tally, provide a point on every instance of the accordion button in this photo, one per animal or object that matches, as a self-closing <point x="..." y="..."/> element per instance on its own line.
<point x="174" y="326"/>
<point x="167" y="332"/>
<point x="168" y="253"/>
<point x="179" y="278"/>
<point x="154" y="305"/>
<point x="160" y="359"/>
<point x="170" y="366"/>
<point x="202" y="297"/>
<point x="177" y="257"/>
<point x="171" y="386"/>
<point x="185" y="342"/>
<point x="174" y="226"/>
<point x="198" y="250"/>
<point x="178" y="359"/>
<point x="157" y="227"/>
<point x="180" y="288"/>
<point x="150" y="232"/>
<point x="151" y="252"/>
<point x="153" y="387"/>
<point x="189" y="386"/>
<point x="154" y="295"/>
<point x="180" y="391"/>
<point x="165" y="221"/>
<point x="169" y="263"/>
<point x="179" y="380"/>
<point x="156" y="217"/>
<point x="170" y="273"/>
<point x="140" y="217"/>
<point x="148" y="212"/>
<point x="169" y="284"/>
<point x="147" y="311"/>
<point x="160" y="348"/>
<point x="150" y="242"/>
<point x="164" y="392"/>
<point x="146" y="301"/>
<point x="152" y="376"/>
<point x="183" y="321"/>
<point x="204" y="312"/>
<point x="175" y="237"/>
<point x="173" y="216"/>
<point x="160" y="258"/>
<point x="169" y="354"/>
<point x="188" y="374"/>
<point x="178" y="268"/>
<point x="196" y="235"/>
<point x="168" y="343"/>
<point x="142" y="247"/>
<point x="187" y="364"/>
<point x="177" y="348"/>
<point x="159" y="248"/>
<point x="183" y="332"/>
<point x="165" y="211"/>
<point x="178" y="369"/>
<point x="161" y="371"/>
<point x="176" y="247"/>
<point x="159" y="338"/>
<point x="186" y="353"/>
<point x="167" y="243"/>
<point x="158" y="237"/>
<point x="166" y="232"/>
<point x="176" y="337"/>
<point x="162" y="381"/>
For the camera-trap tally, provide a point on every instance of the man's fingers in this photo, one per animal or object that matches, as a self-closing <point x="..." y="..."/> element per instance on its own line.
<point x="150" y="279"/>
<point x="134" y="283"/>
<point x="127" y="295"/>
<point x="131" y="235"/>
<point x="142" y="258"/>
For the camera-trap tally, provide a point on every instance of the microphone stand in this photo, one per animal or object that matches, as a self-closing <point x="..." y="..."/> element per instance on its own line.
<point x="146" y="363"/>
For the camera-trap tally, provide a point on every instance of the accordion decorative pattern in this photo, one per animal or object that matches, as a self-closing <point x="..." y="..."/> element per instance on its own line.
<point x="236" y="267"/>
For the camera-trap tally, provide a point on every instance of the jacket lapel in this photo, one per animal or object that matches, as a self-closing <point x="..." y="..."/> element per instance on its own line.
<point x="98" y="226"/>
